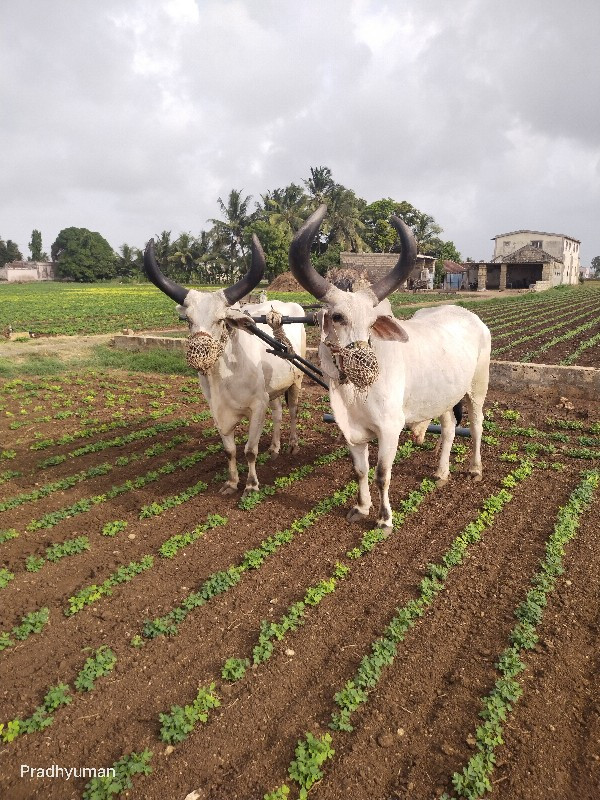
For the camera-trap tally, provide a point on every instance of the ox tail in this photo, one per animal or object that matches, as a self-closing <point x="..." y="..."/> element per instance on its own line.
<point x="458" y="412"/>
<point x="287" y="397"/>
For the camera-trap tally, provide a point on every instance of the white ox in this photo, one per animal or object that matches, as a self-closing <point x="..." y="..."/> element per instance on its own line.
<point x="385" y="374"/>
<point x="238" y="377"/>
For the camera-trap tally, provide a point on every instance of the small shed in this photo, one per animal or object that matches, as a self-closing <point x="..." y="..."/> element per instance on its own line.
<point x="455" y="276"/>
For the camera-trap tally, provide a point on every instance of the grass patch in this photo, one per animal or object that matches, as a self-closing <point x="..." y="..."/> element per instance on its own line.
<point x="100" y="357"/>
<point x="31" y="365"/>
<point x="159" y="361"/>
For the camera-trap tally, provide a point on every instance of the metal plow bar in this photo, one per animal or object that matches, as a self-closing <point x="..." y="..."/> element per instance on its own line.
<point x="281" y="350"/>
<point x="308" y="320"/>
<point x="430" y="428"/>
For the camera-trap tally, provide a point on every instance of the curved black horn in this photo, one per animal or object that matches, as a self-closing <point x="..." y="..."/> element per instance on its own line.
<point x="245" y="285"/>
<point x="304" y="272"/>
<point x="153" y="273"/>
<point x="386" y="285"/>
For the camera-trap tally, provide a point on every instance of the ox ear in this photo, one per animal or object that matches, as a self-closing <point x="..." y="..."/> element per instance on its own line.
<point x="389" y="329"/>
<point x="324" y="320"/>
<point x="237" y="319"/>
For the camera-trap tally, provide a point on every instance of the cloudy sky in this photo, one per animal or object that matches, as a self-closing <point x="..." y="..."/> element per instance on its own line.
<point x="131" y="117"/>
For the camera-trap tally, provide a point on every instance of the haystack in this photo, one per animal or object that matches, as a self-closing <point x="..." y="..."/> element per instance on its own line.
<point x="285" y="283"/>
<point x="349" y="280"/>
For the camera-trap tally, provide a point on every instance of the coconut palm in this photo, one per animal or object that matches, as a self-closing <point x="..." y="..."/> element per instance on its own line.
<point x="230" y="230"/>
<point x="319" y="185"/>
<point x="286" y="208"/>
<point x="344" y="224"/>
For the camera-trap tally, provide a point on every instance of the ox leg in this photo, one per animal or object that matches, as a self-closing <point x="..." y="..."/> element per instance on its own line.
<point x="257" y="420"/>
<point x="383" y="474"/>
<point x="276" y="413"/>
<point x="360" y="459"/>
<point x="476" y="423"/>
<point x="231" y="484"/>
<point x="448" y="424"/>
<point x="293" y="396"/>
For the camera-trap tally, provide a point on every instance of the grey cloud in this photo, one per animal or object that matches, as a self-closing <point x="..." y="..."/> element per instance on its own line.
<point x="130" y="118"/>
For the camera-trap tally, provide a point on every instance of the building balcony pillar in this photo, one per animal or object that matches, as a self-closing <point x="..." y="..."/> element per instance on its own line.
<point x="481" y="277"/>
<point x="503" y="270"/>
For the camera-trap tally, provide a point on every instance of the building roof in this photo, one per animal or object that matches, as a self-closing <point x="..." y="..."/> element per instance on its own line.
<point x="452" y="268"/>
<point x="538" y="233"/>
<point x="527" y="255"/>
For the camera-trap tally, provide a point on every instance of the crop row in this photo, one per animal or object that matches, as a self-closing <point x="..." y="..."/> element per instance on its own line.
<point x="473" y="781"/>
<point x="176" y="724"/>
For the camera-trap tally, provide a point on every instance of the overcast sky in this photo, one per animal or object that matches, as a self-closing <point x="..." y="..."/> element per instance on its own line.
<point x="133" y="117"/>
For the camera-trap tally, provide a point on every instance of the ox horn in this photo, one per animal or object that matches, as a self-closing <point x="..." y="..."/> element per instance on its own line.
<point x="232" y="293"/>
<point x="153" y="273"/>
<point x="386" y="285"/>
<point x="257" y="269"/>
<point x="304" y="272"/>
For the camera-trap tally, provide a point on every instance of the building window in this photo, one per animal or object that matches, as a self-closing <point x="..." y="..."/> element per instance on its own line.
<point x="536" y="243"/>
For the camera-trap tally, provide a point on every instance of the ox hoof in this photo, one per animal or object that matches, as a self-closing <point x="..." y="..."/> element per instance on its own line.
<point x="274" y="454"/>
<point x="295" y="450"/>
<point x="475" y="477"/>
<point x="355" y="515"/>
<point x="384" y="525"/>
<point x="441" y="481"/>
<point x="228" y="489"/>
<point x="249" y="490"/>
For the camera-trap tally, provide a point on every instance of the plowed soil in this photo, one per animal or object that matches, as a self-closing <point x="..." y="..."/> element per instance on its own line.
<point x="416" y="728"/>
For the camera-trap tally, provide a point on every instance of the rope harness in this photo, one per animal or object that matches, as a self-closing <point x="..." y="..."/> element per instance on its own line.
<point x="275" y="321"/>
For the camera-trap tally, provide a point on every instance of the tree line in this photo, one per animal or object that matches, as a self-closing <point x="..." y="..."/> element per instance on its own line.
<point x="220" y="254"/>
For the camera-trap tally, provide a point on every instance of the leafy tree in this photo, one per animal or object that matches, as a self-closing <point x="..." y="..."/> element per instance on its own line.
<point x="596" y="266"/>
<point x="9" y="251"/>
<point x="380" y="236"/>
<point x="35" y="247"/>
<point x="83" y="255"/>
<point x="275" y="241"/>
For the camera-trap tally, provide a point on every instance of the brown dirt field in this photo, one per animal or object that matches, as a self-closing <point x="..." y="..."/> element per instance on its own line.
<point x="413" y="732"/>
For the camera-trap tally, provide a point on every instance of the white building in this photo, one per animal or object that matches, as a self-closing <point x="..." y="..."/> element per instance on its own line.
<point x="19" y="271"/>
<point x="555" y="255"/>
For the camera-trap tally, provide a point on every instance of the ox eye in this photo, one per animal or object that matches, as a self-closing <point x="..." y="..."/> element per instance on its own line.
<point x="337" y="317"/>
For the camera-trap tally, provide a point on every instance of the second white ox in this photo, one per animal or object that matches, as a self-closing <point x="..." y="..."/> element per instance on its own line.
<point x="385" y="374"/>
<point x="237" y="375"/>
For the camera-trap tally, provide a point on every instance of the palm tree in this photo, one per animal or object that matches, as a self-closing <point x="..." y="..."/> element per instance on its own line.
<point x="343" y="223"/>
<point x="319" y="185"/>
<point x="230" y="230"/>
<point x="426" y="231"/>
<point x="128" y="261"/>
<point x="163" y="249"/>
<point x="286" y="207"/>
<point x="184" y="255"/>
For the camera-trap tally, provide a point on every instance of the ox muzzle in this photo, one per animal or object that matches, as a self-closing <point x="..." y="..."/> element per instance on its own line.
<point x="203" y="352"/>
<point x="358" y="364"/>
